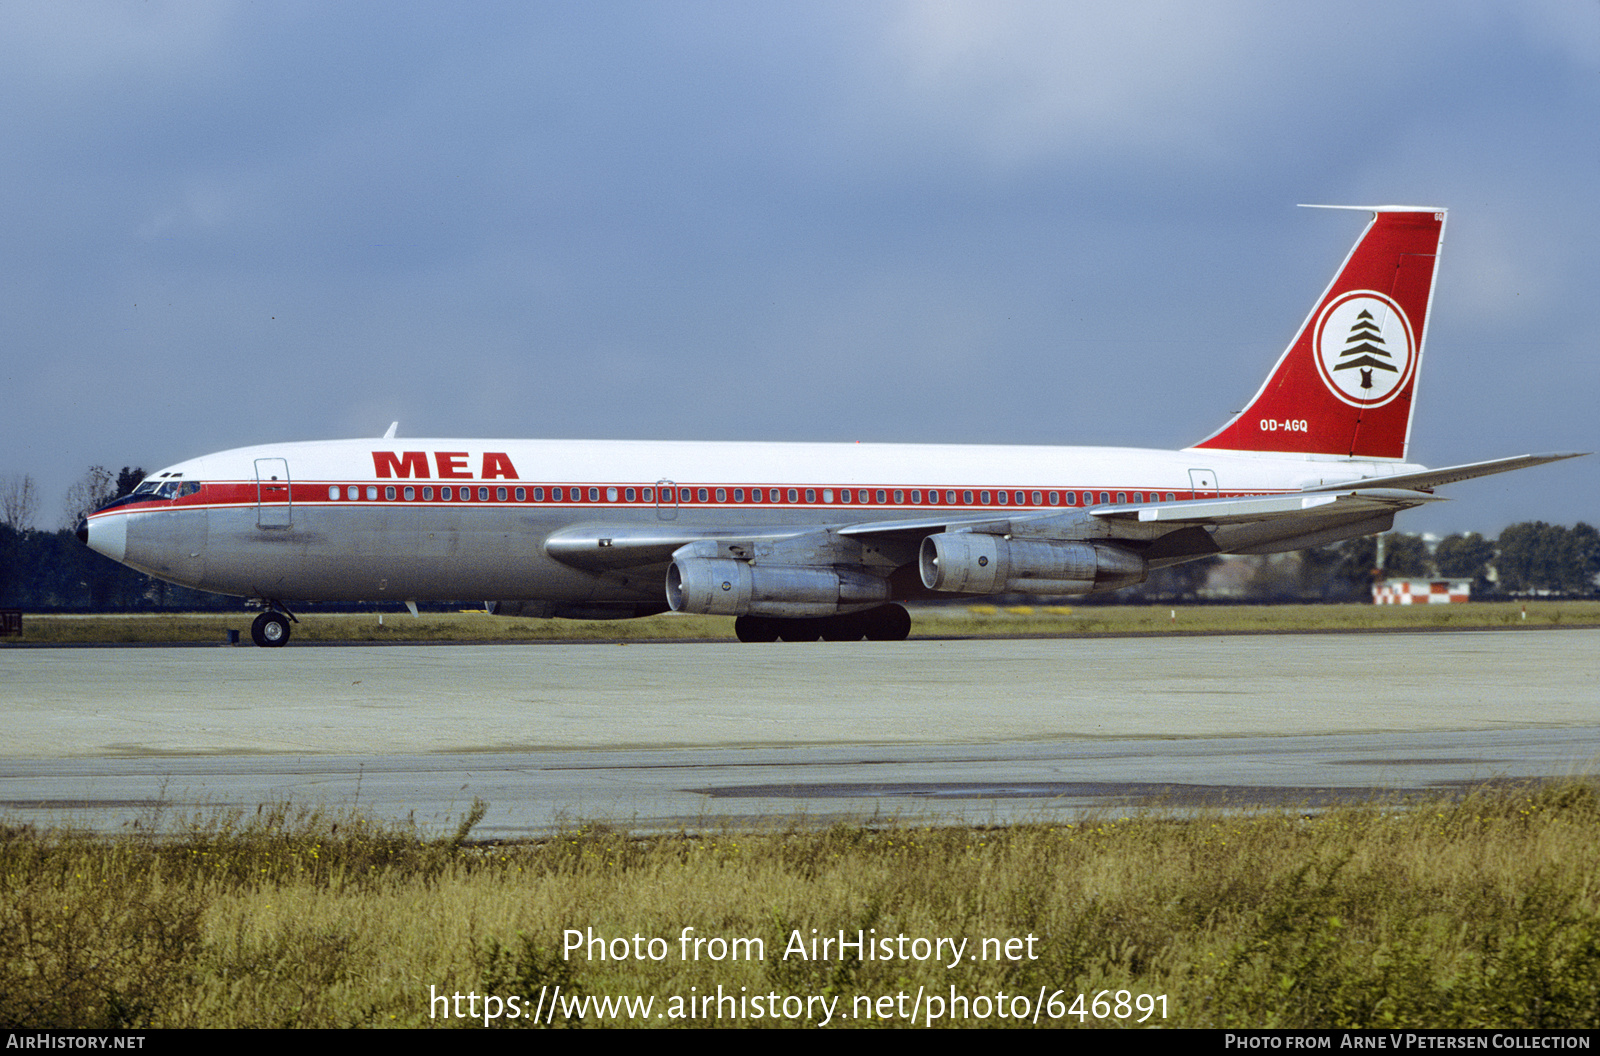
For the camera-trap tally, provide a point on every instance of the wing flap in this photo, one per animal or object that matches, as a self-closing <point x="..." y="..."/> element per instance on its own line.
<point x="1298" y="506"/>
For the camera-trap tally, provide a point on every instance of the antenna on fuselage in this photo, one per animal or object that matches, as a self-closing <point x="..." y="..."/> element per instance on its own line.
<point x="392" y="427"/>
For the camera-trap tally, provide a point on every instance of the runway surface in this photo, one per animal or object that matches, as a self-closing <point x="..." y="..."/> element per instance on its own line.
<point x="663" y="735"/>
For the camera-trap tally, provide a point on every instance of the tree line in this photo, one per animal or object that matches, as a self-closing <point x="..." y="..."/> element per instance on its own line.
<point x="53" y="571"/>
<point x="1528" y="558"/>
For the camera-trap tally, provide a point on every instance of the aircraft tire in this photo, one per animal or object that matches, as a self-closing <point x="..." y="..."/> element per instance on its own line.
<point x="270" y="630"/>
<point x="846" y="627"/>
<point x="887" y="623"/>
<point x="799" y="630"/>
<point x="755" y="629"/>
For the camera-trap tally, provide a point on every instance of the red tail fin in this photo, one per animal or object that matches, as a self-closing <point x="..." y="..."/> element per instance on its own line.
<point x="1345" y="385"/>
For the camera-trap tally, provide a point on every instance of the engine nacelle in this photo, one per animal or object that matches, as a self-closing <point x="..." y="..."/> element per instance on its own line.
<point x="717" y="586"/>
<point x="973" y="563"/>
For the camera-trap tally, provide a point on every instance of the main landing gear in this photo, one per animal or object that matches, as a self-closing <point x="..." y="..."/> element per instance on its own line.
<point x="886" y="623"/>
<point x="271" y="628"/>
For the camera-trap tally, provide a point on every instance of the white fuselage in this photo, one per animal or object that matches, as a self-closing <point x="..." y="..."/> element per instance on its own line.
<point x="452" y="519"/>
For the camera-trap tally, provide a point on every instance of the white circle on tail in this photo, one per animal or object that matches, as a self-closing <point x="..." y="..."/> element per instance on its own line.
<point x="1365" y="348"/>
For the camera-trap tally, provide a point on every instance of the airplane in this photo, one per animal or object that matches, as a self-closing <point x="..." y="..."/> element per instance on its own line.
<point x="809" y="541"/>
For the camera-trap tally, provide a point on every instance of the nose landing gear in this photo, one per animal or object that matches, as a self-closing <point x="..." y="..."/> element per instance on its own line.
<point x="271" y="628"/>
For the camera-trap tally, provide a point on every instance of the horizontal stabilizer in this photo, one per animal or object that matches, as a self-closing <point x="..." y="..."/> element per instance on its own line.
<point x="1433" y="478"/>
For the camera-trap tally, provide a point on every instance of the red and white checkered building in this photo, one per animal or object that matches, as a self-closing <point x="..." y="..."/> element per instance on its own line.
<point x="1421" y="591"/>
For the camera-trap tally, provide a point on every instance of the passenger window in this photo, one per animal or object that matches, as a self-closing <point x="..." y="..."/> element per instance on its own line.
<point x="722" y="494"/>
<point x="882" y="497"/>
<point x="1054" y="501"/>
<point x="388" y="492"/>
<point x="916" y="497"/>
<point x="465" y="494"/>
<point x="1004" y="498"/>
<point x="522" y="494"/>
<point x="333" y="492"/>
<point x="446" y="494"/>
<point x="500" y="494"/>
<point x="950" y="498"/>
<point x="1105" y="497"/>
<point x="649" y="494"/>
<point x="811" y="495"/>
<point x="1122" y="496"/>
<point x="372" y="493"/>
<point x="427" y="494"/>
<point x="794" y="495"/>
<point x="352" y="493"/>
<point x="844" y="495"/>
<point x="966" y="497"/>
<point x="827" y="495"/>
<point x="411" y="493"/>
<point x="594" y="494"/>
<point x="700" y="494"/>
<point x="756" y="495"/>
<point x="628" y="494"/>
<point x="899" y="497"/>
<point x="738" y="494"/>
<point x="1038" y="500"/>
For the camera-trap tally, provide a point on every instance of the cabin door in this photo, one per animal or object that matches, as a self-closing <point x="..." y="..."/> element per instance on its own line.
<point x="274" y="504"/>
<point x="666" y="500"/>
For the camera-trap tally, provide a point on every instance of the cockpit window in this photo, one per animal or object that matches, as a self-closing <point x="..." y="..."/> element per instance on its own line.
<point x="174" y="488"/>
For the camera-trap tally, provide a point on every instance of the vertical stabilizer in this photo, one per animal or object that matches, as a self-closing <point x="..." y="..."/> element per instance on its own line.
<point x="1346" y="385"/>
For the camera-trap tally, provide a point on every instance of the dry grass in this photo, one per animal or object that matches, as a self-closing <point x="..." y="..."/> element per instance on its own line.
<point x="1479" y="913"/>
<point x="959" y="621"/>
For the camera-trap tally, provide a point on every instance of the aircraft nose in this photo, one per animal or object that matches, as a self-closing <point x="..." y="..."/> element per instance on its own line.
<point x="107" y="535"/>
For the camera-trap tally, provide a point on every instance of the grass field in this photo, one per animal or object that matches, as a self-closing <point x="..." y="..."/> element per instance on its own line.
<point x="1478" y="912"/>
<point x="971" y="620"/>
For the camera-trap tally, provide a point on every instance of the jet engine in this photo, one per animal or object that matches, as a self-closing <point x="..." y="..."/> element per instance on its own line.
<point x="716" y="586"/>
<point x="974" y="563"/>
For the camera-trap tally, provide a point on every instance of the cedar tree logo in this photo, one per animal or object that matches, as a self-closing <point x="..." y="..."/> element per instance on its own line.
<point x="1365" y="350"/>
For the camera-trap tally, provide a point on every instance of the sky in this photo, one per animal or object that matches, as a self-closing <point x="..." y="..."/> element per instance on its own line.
<point x="227" y="223"/>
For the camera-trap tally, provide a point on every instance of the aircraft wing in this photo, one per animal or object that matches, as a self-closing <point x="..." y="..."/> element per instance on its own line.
<point x="1261" y="523"/>
<point x="1299" y="506"/>
<point x="605" y="547"/>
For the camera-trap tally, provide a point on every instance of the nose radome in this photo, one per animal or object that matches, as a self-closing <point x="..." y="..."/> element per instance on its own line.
<point x="106" y="535"/>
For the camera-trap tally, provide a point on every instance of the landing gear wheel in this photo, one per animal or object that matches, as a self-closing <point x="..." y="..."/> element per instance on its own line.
<point x="755" y="629"/>
<point x="799" y="630"/>
<point x="847" y="627"/>
<point x="270" y="629"/>
<point x="888" y="623"/>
